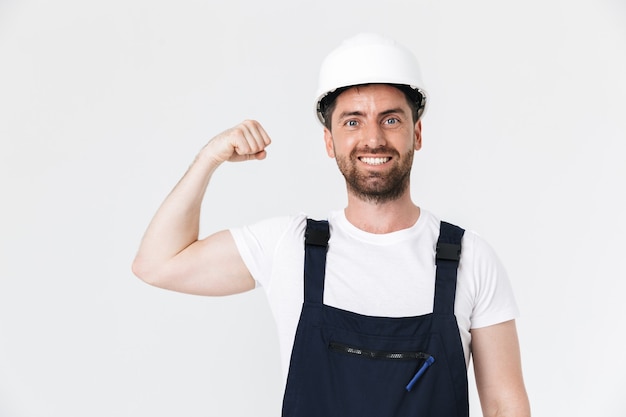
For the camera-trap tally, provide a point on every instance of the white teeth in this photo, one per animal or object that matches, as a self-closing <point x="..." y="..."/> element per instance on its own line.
<point x="374" y="161"/>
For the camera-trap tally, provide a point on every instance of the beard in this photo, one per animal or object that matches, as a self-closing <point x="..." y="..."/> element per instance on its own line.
<point x="377" y="187"/>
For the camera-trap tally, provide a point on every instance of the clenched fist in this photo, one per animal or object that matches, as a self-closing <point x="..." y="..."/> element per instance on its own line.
<point x="243" y="142"/>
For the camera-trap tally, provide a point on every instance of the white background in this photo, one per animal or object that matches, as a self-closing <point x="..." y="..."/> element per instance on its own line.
<point x="103" y="105"/>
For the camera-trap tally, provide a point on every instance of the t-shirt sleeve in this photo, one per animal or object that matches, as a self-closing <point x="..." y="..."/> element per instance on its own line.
<point x="495" y="301"/>
<point x="257" y="244"/>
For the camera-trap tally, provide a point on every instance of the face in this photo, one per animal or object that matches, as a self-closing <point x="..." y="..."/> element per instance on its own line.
<point x="373" y="139"/>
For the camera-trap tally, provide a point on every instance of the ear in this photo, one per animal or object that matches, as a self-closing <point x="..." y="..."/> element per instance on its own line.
<point x="328" y="140"/>
<point x="418" y="135"/>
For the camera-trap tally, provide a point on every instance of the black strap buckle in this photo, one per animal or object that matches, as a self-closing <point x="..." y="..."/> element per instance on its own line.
<point x="448" y="251"/>
<point x="317" y="234"/>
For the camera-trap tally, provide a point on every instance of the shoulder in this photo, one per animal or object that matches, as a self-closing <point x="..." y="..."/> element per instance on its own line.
<point x="479" y="261"/>
<point x="265" y="242"/>
<point x="473" y="245"/>
<point x="480" y="253"/>
<point x="272" y="228"/>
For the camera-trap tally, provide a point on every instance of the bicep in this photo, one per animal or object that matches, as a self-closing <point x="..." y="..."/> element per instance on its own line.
<point x="498" y="370"/>
<point x="211" y="266"/>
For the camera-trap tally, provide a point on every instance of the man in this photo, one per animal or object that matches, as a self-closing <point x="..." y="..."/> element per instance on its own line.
<point x="392" y="300"/>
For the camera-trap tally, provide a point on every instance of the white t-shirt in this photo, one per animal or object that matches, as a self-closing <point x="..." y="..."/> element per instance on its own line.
<point x="389" y="275"/>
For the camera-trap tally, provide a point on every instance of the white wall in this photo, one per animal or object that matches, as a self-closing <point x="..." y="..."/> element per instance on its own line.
<point x="104" y="104"/>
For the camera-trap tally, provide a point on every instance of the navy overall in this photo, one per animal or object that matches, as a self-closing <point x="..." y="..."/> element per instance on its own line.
<point x="345" y="364"/>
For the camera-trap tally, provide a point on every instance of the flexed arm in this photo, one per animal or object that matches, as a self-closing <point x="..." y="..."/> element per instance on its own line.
<point x="171" y="255"/>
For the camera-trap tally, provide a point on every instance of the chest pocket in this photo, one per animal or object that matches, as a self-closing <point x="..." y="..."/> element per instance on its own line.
<point x="422" y="359"/>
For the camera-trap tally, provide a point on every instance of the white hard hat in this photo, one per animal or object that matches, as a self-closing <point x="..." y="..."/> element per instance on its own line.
<point x="369" y="58"/>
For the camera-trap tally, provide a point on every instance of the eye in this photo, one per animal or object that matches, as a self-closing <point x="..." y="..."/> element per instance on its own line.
<point x="391" y="121"/>
<point x="351" y="123"/>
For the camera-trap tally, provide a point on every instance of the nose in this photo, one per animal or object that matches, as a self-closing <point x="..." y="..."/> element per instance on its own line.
<point x="374" y="136"/>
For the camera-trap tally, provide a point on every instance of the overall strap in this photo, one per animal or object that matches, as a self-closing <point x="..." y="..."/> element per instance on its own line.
<point x="315" y="247"/>
<point x="447" y="262"/>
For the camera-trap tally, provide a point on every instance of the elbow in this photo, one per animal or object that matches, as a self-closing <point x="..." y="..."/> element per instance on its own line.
<point x="145" y="271"/>
<point x="157" y="274"/>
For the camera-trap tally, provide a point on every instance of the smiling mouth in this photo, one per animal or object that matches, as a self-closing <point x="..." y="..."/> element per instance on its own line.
<point x="374" y="161"/>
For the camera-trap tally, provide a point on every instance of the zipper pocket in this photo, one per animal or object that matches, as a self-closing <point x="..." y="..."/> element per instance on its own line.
<point x="377" y="354"/>
<point x="388" y="355"/>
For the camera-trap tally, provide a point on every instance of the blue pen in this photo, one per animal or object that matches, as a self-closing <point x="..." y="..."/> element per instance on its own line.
<point x="421" y="371"/>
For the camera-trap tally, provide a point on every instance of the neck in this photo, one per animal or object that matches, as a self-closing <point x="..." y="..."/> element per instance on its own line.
<point x="382" y="217"/>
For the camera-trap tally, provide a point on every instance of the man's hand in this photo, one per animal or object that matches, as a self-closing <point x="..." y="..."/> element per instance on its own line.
<point x="243" y="142"/>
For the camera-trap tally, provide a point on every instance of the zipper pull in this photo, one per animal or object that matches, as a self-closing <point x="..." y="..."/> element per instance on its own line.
<point x="429" y="361"/>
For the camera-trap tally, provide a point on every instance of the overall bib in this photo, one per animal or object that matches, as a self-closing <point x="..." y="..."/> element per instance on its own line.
<point x="345" y="364"/>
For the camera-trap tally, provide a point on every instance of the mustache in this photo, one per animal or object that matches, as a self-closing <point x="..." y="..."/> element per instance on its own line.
<point x="375" y="151"/>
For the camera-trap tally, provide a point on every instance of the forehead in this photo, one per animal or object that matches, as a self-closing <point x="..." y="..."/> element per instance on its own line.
<point x="372" y="97"/>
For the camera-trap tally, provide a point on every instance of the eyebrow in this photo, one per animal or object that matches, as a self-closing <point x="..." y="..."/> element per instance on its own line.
<point x="360" y="113"/>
